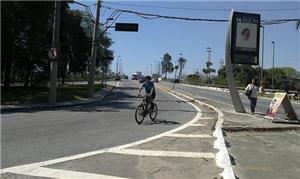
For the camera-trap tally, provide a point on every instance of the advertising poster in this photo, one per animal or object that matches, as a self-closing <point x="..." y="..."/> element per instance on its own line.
<point x="246" y="35"/>
<point x="274" y="105"/>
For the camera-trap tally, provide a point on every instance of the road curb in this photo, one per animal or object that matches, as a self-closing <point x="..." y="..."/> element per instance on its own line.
<point x="222" y="157"/>
<point x="98" y="96"/>
<point x="259" y="129"/>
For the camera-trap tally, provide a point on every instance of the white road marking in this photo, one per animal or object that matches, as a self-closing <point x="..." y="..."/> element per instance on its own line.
<point x="207" y="118"/>
<point x="197" y="125"/>
<point x="28" y="167"/>
<point x="65" y="174"/>
<point x="189" y="135"/>
<point x="222" y="157"/>
<point x="163" y="153"/>
<point x="118" y="84"/>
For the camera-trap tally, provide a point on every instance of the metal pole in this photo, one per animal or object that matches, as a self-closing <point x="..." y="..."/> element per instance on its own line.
<point x="94" y="52"/>
<point x="117" y="66"/>
<point x="55" y="43"/>
<point x="235" y="97"/>
<point x="273" y="43"/>
<point x="262" y="57"/>
<point x="150" y="69"/>
<point x="174" y="79"/>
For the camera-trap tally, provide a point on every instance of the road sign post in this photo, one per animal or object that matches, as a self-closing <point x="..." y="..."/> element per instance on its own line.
<point x="242" y="47"/>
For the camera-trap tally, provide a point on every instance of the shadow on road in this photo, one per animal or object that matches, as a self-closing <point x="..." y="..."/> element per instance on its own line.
<point x="160" y="121"/>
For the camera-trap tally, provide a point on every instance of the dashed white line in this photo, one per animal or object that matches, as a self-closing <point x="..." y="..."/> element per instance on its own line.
<point x="163" y="153"/>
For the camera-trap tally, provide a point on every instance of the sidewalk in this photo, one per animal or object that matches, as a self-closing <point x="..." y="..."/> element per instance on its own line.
<point x="98" y="96"/>
<point x="258" y="148"/>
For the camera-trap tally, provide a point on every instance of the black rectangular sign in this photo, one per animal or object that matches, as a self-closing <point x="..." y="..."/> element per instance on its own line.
<point x="128" y="27"/>
<point x="245" y="37"/>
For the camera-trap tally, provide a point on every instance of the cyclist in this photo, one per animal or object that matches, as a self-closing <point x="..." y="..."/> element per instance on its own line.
<point x="149" y="90"/>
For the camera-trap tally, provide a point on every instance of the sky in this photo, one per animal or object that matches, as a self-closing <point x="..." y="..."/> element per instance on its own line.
<point x="140" y="50"/>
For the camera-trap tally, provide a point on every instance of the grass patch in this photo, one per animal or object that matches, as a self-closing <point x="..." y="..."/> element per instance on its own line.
<point x="25" y="95"/>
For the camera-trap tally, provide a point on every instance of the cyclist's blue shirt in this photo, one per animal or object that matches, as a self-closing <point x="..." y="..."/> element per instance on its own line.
<point x="148" y="87"/>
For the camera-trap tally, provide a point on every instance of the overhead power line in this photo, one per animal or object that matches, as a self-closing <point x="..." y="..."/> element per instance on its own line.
<point x="196" y="9"/>
<point x="157" y="16"/>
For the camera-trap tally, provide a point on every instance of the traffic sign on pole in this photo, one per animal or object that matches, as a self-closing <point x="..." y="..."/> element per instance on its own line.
<point x="52" y="53"/>
<point x="128" y="27"/>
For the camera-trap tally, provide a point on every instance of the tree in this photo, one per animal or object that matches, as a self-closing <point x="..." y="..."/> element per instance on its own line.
<point x="167" y="65"/>
<point x="181" y="64"/>
<point x="208" y="70"/>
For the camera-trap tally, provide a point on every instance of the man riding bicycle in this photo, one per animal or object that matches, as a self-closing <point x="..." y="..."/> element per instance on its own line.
<point x="149" y="90"/>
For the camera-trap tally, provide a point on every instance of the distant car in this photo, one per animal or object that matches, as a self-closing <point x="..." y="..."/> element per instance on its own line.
<point x="142" y="79"/>
<point x="176" y="81"/>
<point x="126" y="77"/>
<point x="117" y="78"/>
<point x="134" y="77"/>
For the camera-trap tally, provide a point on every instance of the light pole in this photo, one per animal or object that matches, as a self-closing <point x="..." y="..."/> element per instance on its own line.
<point x="155" y="67"/>
<point x="150" y="69"/>
<point x="180" y="67"/>
<point x="273" y="44"/>
<point x="262" y="56"/>
<point x="208" y="49"/>
<point x="117" y="66"/>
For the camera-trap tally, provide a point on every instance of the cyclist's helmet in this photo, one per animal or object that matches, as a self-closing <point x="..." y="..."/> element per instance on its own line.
<point x="148" y="78"/>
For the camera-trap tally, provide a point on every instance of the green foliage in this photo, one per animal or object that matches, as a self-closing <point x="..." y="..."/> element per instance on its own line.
<point x="193" y="78"/>
<point x="26" y="33"/>
<point x="181" y="64"/>
<point x="167" y="65"/>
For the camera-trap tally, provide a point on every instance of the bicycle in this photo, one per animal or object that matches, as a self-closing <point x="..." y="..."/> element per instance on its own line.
<point x="144" y="109"/>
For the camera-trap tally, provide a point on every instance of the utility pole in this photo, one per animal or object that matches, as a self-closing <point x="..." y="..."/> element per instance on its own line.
<point x="273" y="43"/>
<point x="54" y="62"/>
<point x="94" y="52"/>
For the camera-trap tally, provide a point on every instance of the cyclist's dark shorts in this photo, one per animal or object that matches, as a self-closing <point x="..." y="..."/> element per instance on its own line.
<point x="152" y="96"/>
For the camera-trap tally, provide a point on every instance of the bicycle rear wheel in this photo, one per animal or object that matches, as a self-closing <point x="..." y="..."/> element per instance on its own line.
<point x="153" y="112"/>
<point x="140" y="114"/>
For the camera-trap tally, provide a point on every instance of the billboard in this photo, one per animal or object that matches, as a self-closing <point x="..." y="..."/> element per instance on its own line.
<point x="245" y="36"/>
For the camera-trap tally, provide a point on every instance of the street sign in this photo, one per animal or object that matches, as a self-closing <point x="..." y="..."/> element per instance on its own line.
<point x="52" y="54"/>
<point x="128" y="27"/>
<point x="245" y="36"/>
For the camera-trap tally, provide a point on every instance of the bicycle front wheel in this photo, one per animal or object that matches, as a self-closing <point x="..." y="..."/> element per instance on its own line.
<point x="140" y="114"/>
<point x="153" y="112"/>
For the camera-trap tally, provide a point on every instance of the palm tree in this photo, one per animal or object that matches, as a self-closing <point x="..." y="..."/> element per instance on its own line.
<point x="181" y="64"/>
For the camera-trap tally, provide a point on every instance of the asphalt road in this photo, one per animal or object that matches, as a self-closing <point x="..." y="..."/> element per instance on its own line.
<point x="36" y="136"/>
<point x="224" y="97"/>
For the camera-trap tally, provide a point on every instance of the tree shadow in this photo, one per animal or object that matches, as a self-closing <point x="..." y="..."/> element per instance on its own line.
<point x="160" y="121"/>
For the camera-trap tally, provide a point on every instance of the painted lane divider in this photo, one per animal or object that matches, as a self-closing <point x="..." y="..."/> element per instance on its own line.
<point x="222" y="157"/>
<point x="189" y="136"/>
<point x="163" y="153"/>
